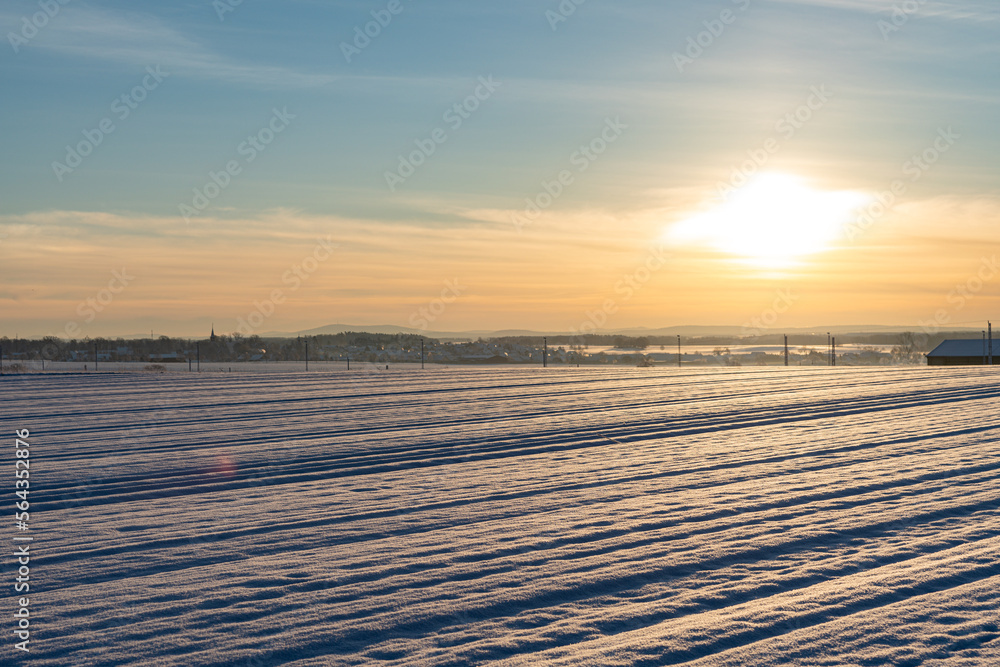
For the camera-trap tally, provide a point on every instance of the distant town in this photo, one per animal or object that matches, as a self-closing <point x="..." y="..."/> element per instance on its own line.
<point x="402" y="348"/>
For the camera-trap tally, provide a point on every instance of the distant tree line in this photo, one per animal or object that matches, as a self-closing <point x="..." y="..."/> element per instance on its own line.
<point x="371" y="347"/>
<point x="229" y="347"/>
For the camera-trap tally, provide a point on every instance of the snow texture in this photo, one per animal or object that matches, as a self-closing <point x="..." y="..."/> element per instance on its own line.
<point x="512" y="516"/>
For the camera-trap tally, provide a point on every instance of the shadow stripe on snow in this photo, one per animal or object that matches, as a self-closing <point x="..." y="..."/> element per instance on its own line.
<point x="220" y="536"/>
<point x="355" y="640"/>
<point x="189" y="483"/>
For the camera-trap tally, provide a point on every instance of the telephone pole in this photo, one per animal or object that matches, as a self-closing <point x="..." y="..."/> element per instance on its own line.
<point x="833" y="352"/>
<point x="786" y="349"/>
<point x="678" y="351"/>
<point x="545" y="352"/>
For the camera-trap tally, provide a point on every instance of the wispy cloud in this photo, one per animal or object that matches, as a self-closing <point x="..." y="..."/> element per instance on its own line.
<point x="950" y="9"/>
<point x="129" y="38"/>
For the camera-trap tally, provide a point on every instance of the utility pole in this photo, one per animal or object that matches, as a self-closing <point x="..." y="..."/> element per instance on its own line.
<point x="829" y="350"/>
<point x="421" y="354"/>
<point x="786" y="349"/>
<point x="545" y="352"/>
<point x="833" y="352"/>
<point x="678" y="351"/>
<point x="348" y="363"/>
<point x="991" y="342"/>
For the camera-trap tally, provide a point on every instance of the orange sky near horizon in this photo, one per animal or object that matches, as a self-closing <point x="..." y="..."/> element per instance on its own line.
<point x="564" y="272"/>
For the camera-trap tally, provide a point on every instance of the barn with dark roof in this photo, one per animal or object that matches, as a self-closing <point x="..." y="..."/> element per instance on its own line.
<point x="966" y="352"/>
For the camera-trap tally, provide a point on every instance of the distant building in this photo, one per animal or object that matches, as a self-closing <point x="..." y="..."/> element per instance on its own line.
<point x="965" y="352"/>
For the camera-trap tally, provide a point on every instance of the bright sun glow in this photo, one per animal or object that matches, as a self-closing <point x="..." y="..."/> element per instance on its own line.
<point x="772" y="221"/>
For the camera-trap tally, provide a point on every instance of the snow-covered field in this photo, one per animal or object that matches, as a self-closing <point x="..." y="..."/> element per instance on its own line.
<point x="522" y="516"/>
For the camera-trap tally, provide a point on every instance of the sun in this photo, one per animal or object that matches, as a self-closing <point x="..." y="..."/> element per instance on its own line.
<point x="773" y="221"/>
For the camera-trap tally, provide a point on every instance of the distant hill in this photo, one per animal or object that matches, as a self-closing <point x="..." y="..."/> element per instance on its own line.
<point x="333" y="329"/>
<point x="685" y="330"/>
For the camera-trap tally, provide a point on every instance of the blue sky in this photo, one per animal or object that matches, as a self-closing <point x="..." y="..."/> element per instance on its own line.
<point x="324" y="174"/>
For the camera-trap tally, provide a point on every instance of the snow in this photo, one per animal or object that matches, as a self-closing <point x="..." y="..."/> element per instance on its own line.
<point x="517" y="516"/>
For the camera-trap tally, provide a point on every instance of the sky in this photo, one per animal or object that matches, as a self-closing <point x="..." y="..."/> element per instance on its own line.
<point x="455" y="166"/>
